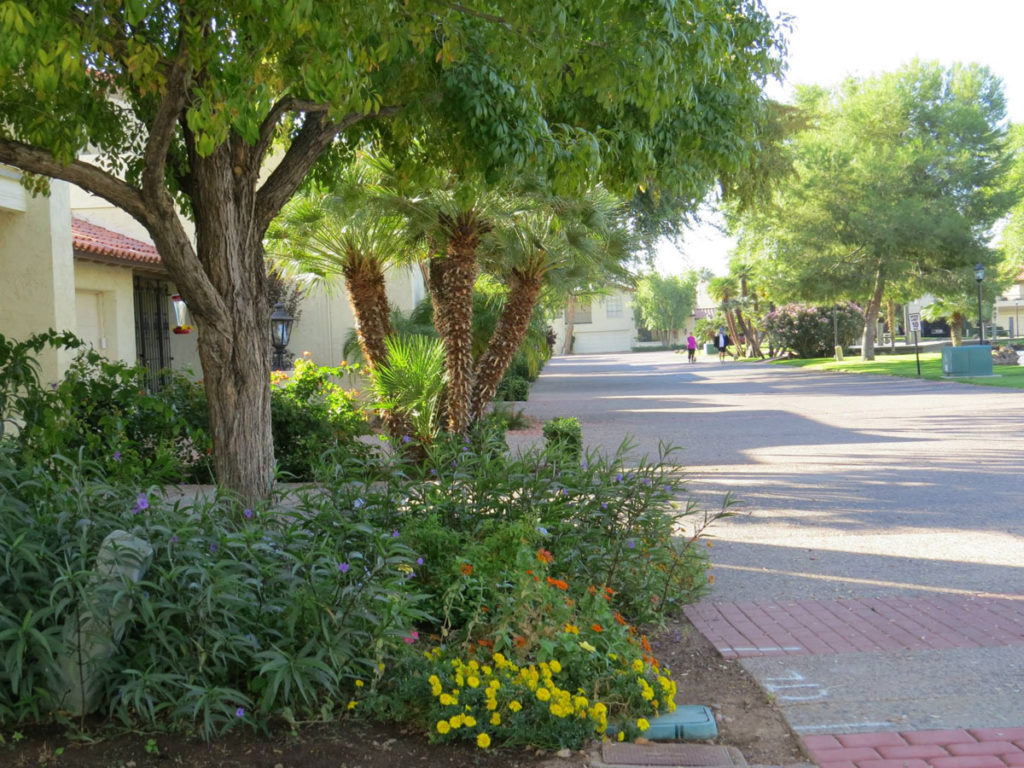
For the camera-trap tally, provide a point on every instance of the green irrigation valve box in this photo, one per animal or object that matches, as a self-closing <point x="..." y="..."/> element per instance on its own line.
<point x="968" y="360"/>
<point x="689" y="723"/>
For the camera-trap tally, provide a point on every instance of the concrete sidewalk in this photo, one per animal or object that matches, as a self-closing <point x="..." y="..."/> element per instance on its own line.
<point x="875" y="583"/>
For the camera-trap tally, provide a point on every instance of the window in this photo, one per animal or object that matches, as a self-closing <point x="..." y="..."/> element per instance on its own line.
<point x="581" y="311"/>
<point x="613" y="306"/>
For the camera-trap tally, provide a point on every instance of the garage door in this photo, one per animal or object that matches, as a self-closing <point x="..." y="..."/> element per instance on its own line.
<point x="609" y="341"/>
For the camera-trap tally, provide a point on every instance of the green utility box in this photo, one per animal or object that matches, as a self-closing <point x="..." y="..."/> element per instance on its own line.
<point x="968" y="360"/>
<point x="709" y="349"/>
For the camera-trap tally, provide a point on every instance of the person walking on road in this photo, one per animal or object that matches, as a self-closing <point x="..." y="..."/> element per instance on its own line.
<point x="722" y="342"/>
<point x="691" y="348"/>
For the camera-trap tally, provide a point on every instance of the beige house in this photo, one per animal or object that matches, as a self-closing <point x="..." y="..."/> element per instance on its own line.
<point x="74" y="262"/>
<point x="1007" y="312"/>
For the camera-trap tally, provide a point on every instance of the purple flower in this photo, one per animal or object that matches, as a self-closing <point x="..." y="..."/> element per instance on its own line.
<point x="343" y="567"/>
<point x="406" y="439"/>
<point x="584" y="464"/>
<point x="647" y="481"/>
<point x="213" y="547"/>
<point x="394" y="534"/>
<point x="631" y="544"/>
<point x="358" y="503"/>
<point x="604" y="505"/>
<point x="419" y="561"/>
<point x="248" y="514"/>
<point x="117" y="455"/>
<point x="174" y="539"/>
<point x="618" y="478"/>
<point x="668" y="489"/>
<point x="240" y="712"/>
<point x="433" y="472"/>
<point x="141" y="504"/>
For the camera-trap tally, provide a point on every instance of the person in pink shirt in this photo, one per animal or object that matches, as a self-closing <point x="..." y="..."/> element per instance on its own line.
<point x="691" y="348"/>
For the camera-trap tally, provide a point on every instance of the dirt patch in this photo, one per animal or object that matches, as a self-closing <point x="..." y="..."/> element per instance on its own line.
<point x="746" y="719"/>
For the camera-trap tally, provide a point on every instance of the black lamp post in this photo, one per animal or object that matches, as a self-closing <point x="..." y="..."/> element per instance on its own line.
<point x="979" y="275"/>
<point x="280" y="333"/>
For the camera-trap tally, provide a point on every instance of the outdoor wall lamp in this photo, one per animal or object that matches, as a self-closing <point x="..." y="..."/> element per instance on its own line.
<point x="280" y="334"/>
<point x="979" y="275"/>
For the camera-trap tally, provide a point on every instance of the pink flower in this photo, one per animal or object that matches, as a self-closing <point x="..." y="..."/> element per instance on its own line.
<point x="412" y="638"/>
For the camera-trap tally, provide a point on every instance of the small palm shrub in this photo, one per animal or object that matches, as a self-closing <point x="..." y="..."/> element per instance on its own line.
<point x="411" y="384"/>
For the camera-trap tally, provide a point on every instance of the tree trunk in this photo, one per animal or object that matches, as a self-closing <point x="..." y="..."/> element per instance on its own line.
<point x="874" y="304"/>
<point x="570" y="325"/>
<point x="452" y="277"/>
<point x="890" y="320"/>
<point x="508" y="335"/>
<point x="233" y="342"/>
<point x="368" y="297"/>
<point x="730" y="323"/>
<point x="956" y="329"/>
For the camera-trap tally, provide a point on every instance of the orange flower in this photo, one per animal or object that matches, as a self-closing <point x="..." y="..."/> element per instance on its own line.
<point x="558" y="583"/>
<point x="545" y="556"/>
<point x="609" y="591"/>
<point x="618" y="618"/>
<point x="486" y="643"/>
<point x="646" y="646"/>
<point x="467" y="569"/>
<point x="520" y="641"/>
<point x="597" y="627"/>
<point x="592" y="589"/>
<point x="711" y="578"/>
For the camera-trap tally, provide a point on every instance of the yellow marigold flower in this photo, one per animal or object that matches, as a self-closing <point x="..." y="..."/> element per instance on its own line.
<point x="499" y="660"/>
<point x="492" y="704"/>
<point x="469" y="721"/>
<point x="648" y="694"/>
<point x="359" y="683"/>
<point x="455" y="721"/>
<point x="642" y="724"/>
<point x="474" y="664"/>
<point x="514" y="705"/>
<point x="587" y="646"/>
<point x="448" y="700"/>
<point x="496" y="719"/>
<point x="352" y="705"/>
<point x="473" y="681"/>
<point x="436" y="691"/>
<point x="638" y="666"/>
<point x="483" y="741"/>
<point x="621" y="736"/>
<point x="572" y="629"/>
<point x="434" y="680"/>
<point x="543" y="694"/>
<point x="460" y="680"/>
<point x="555" y="665"/>
<point x="670" y="705"/>
<point x="613" y="656"/>
<point x="580" y="702"/>
<point x="494" y="685"/>
<point x="443" y="727"/>
<point x="486" y="670"/>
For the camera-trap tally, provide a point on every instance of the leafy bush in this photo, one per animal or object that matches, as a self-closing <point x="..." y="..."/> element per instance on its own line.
<point x="311" y="415"/>
<point x="513" y="388"/>
<point x="565" y="434"/>
<point x="809" y="332"/>
<point x="102" y="410"/>
<point x="239" y="618"/>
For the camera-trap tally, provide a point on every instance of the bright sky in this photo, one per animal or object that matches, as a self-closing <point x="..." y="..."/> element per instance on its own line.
<point x="832" y="39"/>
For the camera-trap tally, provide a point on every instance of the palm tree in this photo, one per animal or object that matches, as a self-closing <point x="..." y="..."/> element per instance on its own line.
<point x="571" y="238"/>
<point x="345" y="231"/>
<point x="953" y="311"/>
<point x="724" y="290"/>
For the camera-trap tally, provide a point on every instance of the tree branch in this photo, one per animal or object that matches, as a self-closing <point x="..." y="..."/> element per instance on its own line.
<point x="314" y="138"/>
<point x="89" y="177"/>
<point x="161" y="130"/>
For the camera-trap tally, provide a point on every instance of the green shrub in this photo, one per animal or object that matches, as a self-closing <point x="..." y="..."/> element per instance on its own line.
<point x="809" y="331"/>
<point x="515" y="388"/>
<point x="312" y="415"/>
<point x="241" y="616"/>
<point x="564" y="435"/>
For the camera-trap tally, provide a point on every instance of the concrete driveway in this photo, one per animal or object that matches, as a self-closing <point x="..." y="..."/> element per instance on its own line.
<point x="874" y="581"/>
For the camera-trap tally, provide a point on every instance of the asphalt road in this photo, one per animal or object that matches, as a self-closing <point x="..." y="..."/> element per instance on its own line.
<point x="852" y="488"/>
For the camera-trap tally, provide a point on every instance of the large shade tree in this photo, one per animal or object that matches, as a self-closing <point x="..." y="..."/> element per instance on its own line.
<point x="898" y="181"/>
<point x="207" y="116"/>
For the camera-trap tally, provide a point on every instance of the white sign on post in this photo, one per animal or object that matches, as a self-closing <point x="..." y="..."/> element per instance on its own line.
<point x="915" y="322"/>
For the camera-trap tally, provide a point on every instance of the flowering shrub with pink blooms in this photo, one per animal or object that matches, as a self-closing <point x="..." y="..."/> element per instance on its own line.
<point x="808" y="331"/>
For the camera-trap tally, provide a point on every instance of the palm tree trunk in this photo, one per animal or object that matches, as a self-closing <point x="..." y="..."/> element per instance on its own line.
<point x="368" y="298"/>
<point x="452" y="277"/>
<point x="570" y="325"/>
<point x="508" y="335"/>
<point x="956" y="329"/>
<point x="890" y="320"/>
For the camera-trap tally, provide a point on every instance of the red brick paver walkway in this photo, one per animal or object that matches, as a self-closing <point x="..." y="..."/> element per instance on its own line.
<point x="859" y="625"/>
<point x="959" y="748"/>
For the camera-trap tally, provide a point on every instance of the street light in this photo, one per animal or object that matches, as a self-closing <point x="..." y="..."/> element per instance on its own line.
<point x="280" y="332"/>
<point x="979" y="275"/>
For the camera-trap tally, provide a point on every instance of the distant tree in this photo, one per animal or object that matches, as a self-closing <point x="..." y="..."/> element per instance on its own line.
<point x="664" y="304"/>
<point x="898" y="182"/>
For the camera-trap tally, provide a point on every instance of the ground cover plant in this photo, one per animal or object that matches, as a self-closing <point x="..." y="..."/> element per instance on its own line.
<point x="1009" y="376"/>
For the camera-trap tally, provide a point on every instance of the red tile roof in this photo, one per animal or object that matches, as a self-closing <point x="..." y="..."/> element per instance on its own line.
<point x="91" y="238"/>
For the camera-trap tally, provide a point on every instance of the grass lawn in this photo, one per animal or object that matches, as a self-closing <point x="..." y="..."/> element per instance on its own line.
<point x="1011" y="376"/>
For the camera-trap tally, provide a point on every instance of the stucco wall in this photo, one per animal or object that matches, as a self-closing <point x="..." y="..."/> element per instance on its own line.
<point x="114" y="284"/>
<point x="38" y="270"/>
<point x="603" y="333"/>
